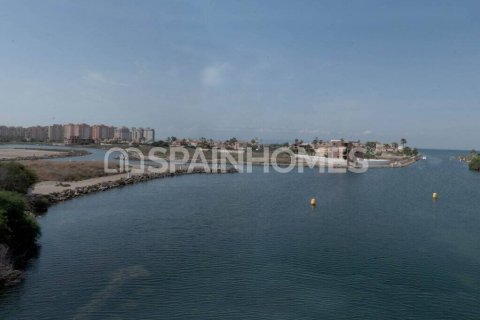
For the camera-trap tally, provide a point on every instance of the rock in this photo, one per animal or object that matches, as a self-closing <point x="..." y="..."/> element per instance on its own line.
<point x="57" y="197"/>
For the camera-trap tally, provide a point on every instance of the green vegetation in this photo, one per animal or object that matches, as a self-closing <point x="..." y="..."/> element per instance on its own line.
<point x="39" y="204"/>
<point x="230" y="143"/>
<point x="278" y="145"/>
<point x="475" y="164"/>
<point x="370" y="146"/>
<point x="16" y="177"/>
<point x="473" y="160"/>
<point x="409" y="152"/>
<point x="18" y="228"/>
<point x="171" y="139"/>
<point x="160" y="143"/>
<point x="205" y="144"/>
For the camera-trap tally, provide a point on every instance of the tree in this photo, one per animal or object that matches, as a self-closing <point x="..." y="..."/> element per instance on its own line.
<point x="160" y="143"/>
<point x="395" y="145"/>
<point x="16" y="177"/>
<point x="371" y="144"/>
<point x="19" y="229"/>
<point x="403" y="142"/>
<point x="474" y="163"/>
<point x="205" y="144"/>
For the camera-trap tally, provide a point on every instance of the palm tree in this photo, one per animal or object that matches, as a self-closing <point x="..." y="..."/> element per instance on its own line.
<point x="403" y="142"/>
<point x="395" y="145"/>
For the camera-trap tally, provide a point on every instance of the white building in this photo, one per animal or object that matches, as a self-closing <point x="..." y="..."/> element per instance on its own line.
<point x="148" y="135"/>
<point x="137" y="135"/>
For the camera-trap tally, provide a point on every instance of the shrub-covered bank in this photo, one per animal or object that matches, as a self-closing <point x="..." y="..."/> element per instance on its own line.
<point x="19" y="230"/>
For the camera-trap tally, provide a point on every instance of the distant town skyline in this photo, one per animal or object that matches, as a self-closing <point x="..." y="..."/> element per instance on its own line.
<point x="77" y="133"/>
<point x="276" y="70"/>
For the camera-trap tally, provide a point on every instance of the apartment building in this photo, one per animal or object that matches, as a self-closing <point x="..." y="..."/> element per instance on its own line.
<point x="55" y="133"/>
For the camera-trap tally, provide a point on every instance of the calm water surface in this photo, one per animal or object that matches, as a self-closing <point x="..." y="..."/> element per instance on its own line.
<point x="249" y="246"/>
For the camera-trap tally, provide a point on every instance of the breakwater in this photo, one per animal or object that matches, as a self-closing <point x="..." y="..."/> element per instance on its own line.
<point x="56" y="197"/>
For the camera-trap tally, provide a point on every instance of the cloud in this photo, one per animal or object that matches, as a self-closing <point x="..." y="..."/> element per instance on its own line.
<point x="214" y="75"/>
<point x="96" y="78"/>
<point x="367" y="132"/>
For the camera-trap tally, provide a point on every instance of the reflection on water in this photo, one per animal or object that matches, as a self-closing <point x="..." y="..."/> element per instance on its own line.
<point x="250" y="246"/>
<point x="118" y="279"/>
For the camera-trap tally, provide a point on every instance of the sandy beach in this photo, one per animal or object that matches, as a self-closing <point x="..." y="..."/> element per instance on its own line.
<point x="14" y="154"/>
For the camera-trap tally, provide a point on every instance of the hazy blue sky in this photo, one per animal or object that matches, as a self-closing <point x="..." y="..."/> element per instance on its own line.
<point x="373" y="70"/>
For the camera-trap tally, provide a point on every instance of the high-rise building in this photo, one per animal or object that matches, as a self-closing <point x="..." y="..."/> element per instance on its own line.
<point x="122" y="134"/>
<point x="37" y="133"/>
<point x="3" y="132"/>
<point x="102" y="132"/>
<point x="12" y="133"/>
<point x="55" y="133"/>
<point x="137" y="135"/>
<point x="77" y="133"/>
<point x="84" y="131"/>
<point x="68" y="133"/>
<point x="148" y="135"/>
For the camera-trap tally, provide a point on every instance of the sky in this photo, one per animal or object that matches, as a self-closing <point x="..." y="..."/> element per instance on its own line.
<point x="276" y="70"/>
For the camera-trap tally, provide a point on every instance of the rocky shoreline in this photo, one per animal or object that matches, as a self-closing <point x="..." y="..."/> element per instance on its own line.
<point x="67" y="194"/>
<point x="12" y="266"/>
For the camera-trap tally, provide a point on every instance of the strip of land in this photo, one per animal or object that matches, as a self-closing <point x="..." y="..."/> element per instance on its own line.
<point x="59" y="189"/>
<point x="50" y="187"/>
<point x="14" y="154"/>
<point x="11" y="154"/>
<point x="66" y="170"/>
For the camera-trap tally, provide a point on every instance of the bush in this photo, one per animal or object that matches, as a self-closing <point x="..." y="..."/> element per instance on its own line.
<point x="410" y="152"/>
<point x="160" y="143"/>
<point x="16" y="177"/>
<point x="39" y="204"/>
<point x="19" y="230"/>
<point x="474" y="163"/>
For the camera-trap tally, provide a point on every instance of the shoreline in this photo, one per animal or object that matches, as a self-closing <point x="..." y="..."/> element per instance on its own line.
<point x="60" y="191"/>
<point x="22" y="154"/>
<point x="57" y="192"/>
<point x="13" y="268"/>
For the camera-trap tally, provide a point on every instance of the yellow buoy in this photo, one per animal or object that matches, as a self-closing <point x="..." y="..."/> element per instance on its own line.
<point x="313" y="202"/>
<point x="435" y="196"/>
